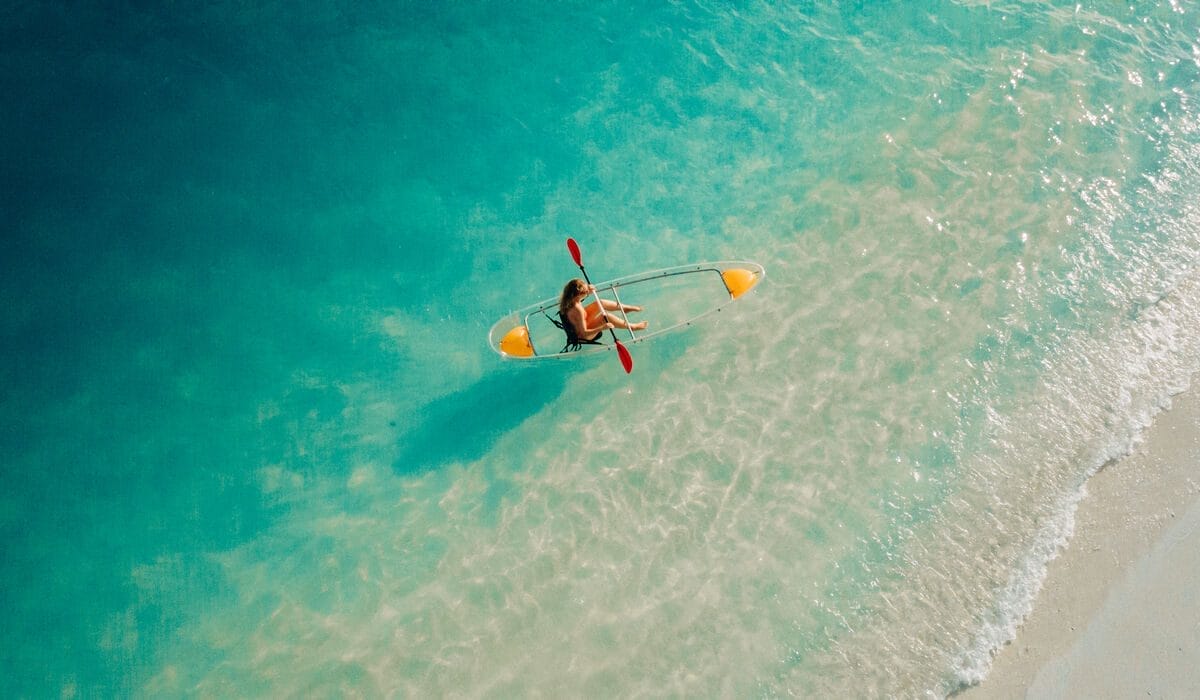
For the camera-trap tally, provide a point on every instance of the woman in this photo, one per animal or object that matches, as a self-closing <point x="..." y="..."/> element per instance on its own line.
<point x="585" y="324"/>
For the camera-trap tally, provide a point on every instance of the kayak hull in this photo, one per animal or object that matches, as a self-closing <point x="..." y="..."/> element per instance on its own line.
<point x="673" y="298"/>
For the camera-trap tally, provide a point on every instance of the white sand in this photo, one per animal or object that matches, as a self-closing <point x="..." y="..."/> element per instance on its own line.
<point x="1119" y="613"/>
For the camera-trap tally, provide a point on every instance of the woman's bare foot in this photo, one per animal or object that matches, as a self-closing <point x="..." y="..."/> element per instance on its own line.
<point x="630" y="309"/>
<point x="639" y="326"/>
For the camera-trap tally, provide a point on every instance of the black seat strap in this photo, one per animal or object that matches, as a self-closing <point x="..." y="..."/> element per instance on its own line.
<point x="574" y="342"/>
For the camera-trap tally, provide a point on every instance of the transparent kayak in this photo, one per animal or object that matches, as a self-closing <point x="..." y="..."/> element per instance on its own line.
<point x="672" y="298"/>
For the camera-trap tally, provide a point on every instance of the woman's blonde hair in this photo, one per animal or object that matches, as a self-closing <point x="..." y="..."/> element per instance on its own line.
<point x="573" y="289"/>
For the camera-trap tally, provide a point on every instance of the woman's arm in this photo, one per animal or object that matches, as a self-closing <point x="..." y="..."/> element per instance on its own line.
<point x="580" y="321"/>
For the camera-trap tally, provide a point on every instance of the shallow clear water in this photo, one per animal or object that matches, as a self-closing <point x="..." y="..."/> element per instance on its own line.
<point x="255" y="443"/>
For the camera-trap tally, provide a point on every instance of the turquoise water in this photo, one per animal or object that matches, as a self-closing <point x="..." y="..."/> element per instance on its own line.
<point x="255" y="444"/>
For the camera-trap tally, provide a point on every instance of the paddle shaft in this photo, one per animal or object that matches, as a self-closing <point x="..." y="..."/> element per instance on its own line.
<point x="622" y="352"/>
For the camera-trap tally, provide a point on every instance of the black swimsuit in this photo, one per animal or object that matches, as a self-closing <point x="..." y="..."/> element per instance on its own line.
<point x="574" y="342"/>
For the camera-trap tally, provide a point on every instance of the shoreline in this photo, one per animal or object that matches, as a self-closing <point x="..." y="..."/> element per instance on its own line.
<point x="1115" y="616"/>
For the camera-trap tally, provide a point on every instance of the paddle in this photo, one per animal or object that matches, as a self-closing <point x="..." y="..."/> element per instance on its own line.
<point x="622" y="352"/>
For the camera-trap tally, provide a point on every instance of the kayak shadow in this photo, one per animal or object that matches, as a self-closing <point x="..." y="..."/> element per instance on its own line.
<point x="463" y="426"/>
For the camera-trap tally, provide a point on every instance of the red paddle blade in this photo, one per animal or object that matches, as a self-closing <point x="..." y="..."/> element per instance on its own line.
<point x="574" y="248"/>
<point x="626" y="360"/>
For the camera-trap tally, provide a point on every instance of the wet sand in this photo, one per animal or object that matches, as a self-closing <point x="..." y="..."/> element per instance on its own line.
<point x="1118" y="615"/>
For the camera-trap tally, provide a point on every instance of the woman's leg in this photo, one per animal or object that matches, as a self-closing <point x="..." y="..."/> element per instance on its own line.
<point x="610" y="305"/>
<point x="593" y="312"/>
